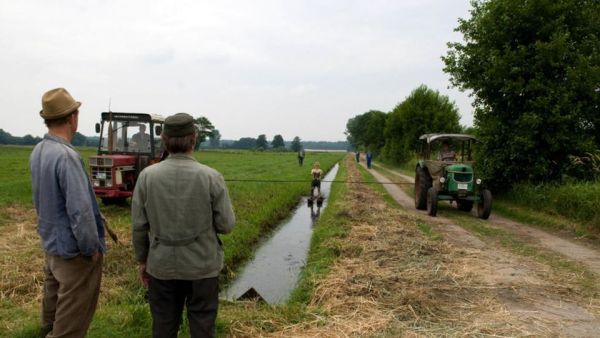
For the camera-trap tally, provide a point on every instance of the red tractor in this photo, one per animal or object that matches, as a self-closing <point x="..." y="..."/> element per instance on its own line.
<point x="129" y="142"/>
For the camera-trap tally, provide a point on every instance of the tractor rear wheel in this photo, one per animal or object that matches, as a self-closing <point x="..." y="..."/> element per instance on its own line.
<point x="422" y="183"/>
<point x="484" y="207"/>
<point x="432" y="201"/>
<point x="464" y="205"/>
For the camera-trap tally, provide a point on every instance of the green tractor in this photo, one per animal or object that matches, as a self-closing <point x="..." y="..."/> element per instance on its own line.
<point x="449" y="176"/>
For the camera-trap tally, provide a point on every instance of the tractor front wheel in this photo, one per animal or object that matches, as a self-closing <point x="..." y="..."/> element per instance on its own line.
<point x="421" y="185"/>
<point x="432" y="201"/>
<point x="484" y="207"/>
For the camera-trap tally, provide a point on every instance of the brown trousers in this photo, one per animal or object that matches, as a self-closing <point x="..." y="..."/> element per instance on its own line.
<point x="71" y="289"/>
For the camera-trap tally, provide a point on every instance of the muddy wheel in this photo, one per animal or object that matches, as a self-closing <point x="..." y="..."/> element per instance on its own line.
<point x="463" y="205"/>
<point x="422" y="183"/>
<point x="432" y="201"/>
<point x="484" y="207"/>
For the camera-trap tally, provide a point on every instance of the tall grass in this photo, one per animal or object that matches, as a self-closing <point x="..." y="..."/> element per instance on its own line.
<point x="578" y="201"/>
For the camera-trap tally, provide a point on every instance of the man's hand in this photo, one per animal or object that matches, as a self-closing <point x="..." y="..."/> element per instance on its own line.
<point x="96" y="257"/>
<point x="144" y="276"/>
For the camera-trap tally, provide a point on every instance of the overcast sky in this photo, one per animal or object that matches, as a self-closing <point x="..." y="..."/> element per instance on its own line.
<point x="251" y="67"/>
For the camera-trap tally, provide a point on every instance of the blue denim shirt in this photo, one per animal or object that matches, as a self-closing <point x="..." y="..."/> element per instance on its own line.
<point x="69" y="221"/>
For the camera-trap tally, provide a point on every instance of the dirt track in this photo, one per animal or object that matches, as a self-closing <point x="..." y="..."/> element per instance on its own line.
<point x="579" y="252"/>
<point x="528" y="289"/>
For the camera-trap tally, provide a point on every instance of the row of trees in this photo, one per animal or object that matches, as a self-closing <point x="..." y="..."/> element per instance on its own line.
<point x="78" y="139"/>
<point x="394" y="135"/>
<point x="533" y="68"/>
<point x="261" y="143"/>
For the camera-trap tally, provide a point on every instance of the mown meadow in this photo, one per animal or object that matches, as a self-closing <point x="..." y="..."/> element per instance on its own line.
<point x="122" y="308"/>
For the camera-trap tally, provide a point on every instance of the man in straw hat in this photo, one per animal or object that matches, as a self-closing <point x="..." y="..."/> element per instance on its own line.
<point x="178" y="208"/>
<point x="69" y="222"/>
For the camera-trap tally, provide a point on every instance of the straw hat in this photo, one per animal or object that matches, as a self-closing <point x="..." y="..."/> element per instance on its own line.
<point x="57" y="103"/>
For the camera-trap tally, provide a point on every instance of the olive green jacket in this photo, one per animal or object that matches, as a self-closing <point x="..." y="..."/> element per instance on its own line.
<point x="178" y="208"/>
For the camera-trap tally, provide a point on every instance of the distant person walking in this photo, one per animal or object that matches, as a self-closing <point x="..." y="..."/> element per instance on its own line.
<point x="301" y="157"/>
<point x="357" y="154"/>
<point x="369" y="159"/>
<point x="178" y="208"/>
<point x="69" y="222"/>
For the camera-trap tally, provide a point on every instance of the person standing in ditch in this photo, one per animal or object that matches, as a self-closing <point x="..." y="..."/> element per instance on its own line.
<point x="178" y="208"/>
<point x="69" y="222"/>
<point x="317" y="175"/>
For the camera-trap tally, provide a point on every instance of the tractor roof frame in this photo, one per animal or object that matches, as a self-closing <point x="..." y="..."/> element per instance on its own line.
<point x="436" y="137"/>
<point x="144" y="117"/>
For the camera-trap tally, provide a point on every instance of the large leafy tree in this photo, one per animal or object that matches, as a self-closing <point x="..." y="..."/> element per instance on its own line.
<point x="214" y="139"/>
<point x="278" y="142"/>
<point x="534" y="70"/>
<point x="261" y="142"/>
<point x="205" y="129"/>
<point x="296" y="144"/>
<point x="366" y="130"/>
<point x="423" y="111"/>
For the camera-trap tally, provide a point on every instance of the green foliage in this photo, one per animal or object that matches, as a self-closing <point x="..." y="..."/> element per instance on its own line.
<point x="244" y="143"/>
<point x="534" y="69"/>
<point x="296" y="145"/>
<point x="7" y="138"/>
<point x="423" y="111"/>
<point x="278" y="142"/>
<point x="205" y="129"/>
<point x="261" y="142"/>
<point x="585" y="167"/>
<point x="365" y="131"/>
<point x="577" y="201"/>
<point x="214" y="139"/>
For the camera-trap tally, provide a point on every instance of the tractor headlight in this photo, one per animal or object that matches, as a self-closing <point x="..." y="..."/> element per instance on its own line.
<point x="442" y="179"/>
<point x="478" y="181"/>
<point x="108" y="184"/>
<point x="96" y="183"/>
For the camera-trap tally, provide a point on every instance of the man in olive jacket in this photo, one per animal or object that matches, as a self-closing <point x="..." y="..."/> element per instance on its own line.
<point x="178" y="208"/>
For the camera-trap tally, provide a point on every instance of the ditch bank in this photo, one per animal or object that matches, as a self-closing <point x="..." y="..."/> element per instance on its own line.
<point x="273" y="273"/>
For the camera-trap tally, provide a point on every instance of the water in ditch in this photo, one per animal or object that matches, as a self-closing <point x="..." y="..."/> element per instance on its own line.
<point x="275" y="268"/>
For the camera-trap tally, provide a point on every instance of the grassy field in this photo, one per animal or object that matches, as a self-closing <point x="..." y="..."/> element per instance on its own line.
<point x="122" y="310"/>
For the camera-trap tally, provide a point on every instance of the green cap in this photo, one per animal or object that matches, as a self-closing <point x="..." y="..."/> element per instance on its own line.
<point x="180" y="124"/>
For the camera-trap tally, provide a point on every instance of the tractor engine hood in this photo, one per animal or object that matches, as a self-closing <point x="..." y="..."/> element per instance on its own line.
<point x="460" y="168"/>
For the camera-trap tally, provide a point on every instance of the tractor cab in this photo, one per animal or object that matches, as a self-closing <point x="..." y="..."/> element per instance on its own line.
<point x="129" y="142"/>
<point x="445" y="171"/>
